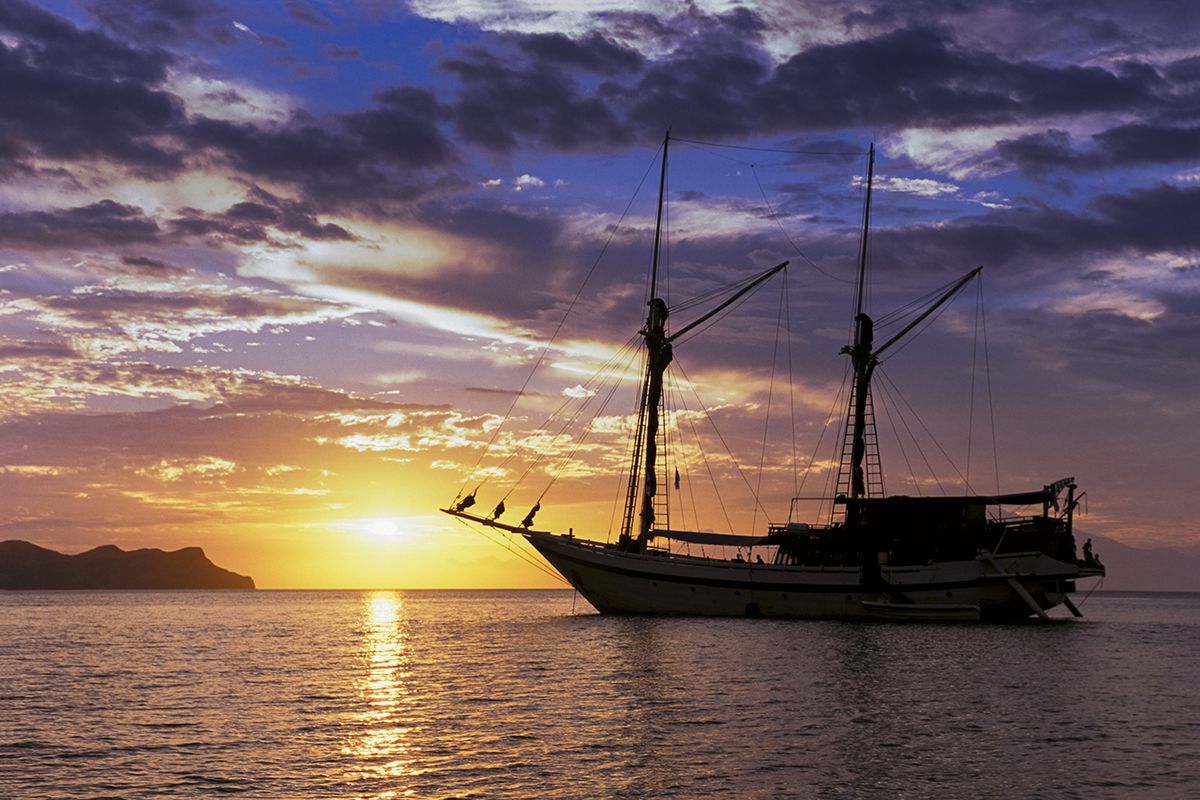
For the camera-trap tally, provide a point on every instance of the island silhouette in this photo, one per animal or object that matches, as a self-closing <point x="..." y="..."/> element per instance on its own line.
<point x="24" y="565"/>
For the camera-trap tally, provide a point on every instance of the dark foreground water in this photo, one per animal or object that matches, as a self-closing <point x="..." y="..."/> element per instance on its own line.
<point x="531" y="695"/>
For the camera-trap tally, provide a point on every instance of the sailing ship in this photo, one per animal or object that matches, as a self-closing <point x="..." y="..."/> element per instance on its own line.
<point x="944" y="558"/>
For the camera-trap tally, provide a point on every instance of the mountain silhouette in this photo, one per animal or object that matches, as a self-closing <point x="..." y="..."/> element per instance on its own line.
<point x="27" y="566"/>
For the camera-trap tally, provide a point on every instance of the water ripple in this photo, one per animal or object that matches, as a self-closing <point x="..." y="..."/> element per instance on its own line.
<point x="511" y="695"/>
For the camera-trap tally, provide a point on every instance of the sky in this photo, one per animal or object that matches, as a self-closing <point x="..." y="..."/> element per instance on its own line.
<point x="273" y="273"/>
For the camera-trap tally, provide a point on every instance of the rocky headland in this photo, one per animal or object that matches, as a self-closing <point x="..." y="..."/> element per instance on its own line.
<point x="27" y="566"/>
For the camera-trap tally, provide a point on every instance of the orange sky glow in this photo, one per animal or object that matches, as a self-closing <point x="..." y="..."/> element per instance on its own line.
<point x="270" y="281"/>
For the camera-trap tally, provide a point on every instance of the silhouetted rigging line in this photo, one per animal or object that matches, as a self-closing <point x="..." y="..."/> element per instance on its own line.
<point x="558" y="329"/>
<point x="762" y="456"/>
<point x="615" y="384"/>
<point x="775" y="217"/>
<point x="689" y="416"/>
<point x="721" y="438"/>
<point x="887" y="410"/>
<point x="856" y="153"/>
<point x="890" y="387"/>
<point x="506" y="543"/>
<point x="987" y="369"/>
<point x="606" y="375"/>
<point x="924" y="327"/>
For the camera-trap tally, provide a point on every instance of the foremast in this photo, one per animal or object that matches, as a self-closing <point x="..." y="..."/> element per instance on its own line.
<point x="643" y="474"/>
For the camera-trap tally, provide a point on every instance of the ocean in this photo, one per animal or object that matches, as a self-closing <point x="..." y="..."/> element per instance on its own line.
<point x="530" y="694"/>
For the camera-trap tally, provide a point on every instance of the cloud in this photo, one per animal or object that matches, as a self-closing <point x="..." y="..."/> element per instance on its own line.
<point x="1145" y="221"/>
<point x="174" y="22"/>
<point x="149" y="266"/>
<point x="335" y="53"/>
<point x="107" y="323"/>
<point x="254" y="220"/>
<point x="717" y="82"/>
<point x="17" y="351"/>
<point x="82" y="95"/>
<point x="1130" y="145"/>
<point x="592" y="53"/>
<point x="102" y="223"/>
<point x="528" y="181"/>
<point x="302" y="11"/>
<point x="275" y="451"/>
<point x="107" y="223"/>
<point x="1037" y="154"/>
<point x="501" y="108"/>
<point x="404" y="127"/>
<point x="52" y="45"/>
<point x="917" y="77"/>
<point x="1143" y="143"/>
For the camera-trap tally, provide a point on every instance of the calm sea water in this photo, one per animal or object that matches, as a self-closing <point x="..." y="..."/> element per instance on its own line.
<point x="531" y="695"/>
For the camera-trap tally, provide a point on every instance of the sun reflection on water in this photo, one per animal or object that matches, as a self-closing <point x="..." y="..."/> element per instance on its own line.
<point x="384" y="752"/>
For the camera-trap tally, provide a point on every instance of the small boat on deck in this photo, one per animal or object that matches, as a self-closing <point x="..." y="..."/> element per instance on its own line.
<point x="876" y="557"/>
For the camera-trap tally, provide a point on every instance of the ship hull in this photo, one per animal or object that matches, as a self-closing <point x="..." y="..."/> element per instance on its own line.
<point x="1005" y="587"/>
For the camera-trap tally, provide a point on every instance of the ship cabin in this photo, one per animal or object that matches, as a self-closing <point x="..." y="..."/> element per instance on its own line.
<point x="902" y="530"/>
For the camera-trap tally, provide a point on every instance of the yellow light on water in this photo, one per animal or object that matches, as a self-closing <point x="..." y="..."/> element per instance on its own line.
<point x="385" y="748"/>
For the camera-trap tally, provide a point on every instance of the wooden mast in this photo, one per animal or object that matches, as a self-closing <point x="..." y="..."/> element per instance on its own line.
<point x="860" y="353"/>
<point x="643" y="472"/>
<point x="658" y="357"/>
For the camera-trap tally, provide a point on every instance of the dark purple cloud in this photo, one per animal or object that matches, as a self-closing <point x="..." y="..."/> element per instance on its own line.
<point x="716" y="82"/>
<point x="1130" y="145"/>
<point x="1037" y="154"/>
<point x="248" y="221"/>
<point x="1148" y="220"/>
<point x="335" y="53"/>
<point x="918" y="77"/>
<point x="501" y="108"/>
<point x="1140" y="143"/>
<point x="38" y="351"/>
<point x="174" y="22"/>
<point x="49" y="42"/>
<point x="302" y="11"/>
<point x="72" y="94"/>
<point x="149" y="266"/>
<point x="102" y="223"/>
<point x="592" y="53"/>
<point x="403" y="128"/>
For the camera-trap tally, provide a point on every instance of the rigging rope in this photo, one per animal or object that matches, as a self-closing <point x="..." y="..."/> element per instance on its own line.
<point x="856" y="153"/>
<point x="762" y="456"/>
<point x="775" y="217"/>
<point x="700" y="446"/>
<point x="728" y="451"/>
<point x="519" y="552"/>
<point x="557" y="329"/>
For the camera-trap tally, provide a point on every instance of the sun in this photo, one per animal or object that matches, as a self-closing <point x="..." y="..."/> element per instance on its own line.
<point x="383" y="528"/>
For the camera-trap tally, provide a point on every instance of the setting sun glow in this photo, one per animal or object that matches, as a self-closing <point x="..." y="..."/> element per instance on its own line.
<point x="384" y="528"/>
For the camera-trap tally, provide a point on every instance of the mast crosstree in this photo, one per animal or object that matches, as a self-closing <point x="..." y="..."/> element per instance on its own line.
<point x="643" y="474"/>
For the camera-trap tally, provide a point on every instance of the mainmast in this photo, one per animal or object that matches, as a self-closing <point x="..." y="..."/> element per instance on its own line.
<point x="658" y="355"/>
<point x="864" y="357"/>
<point x="861" y="357"/>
